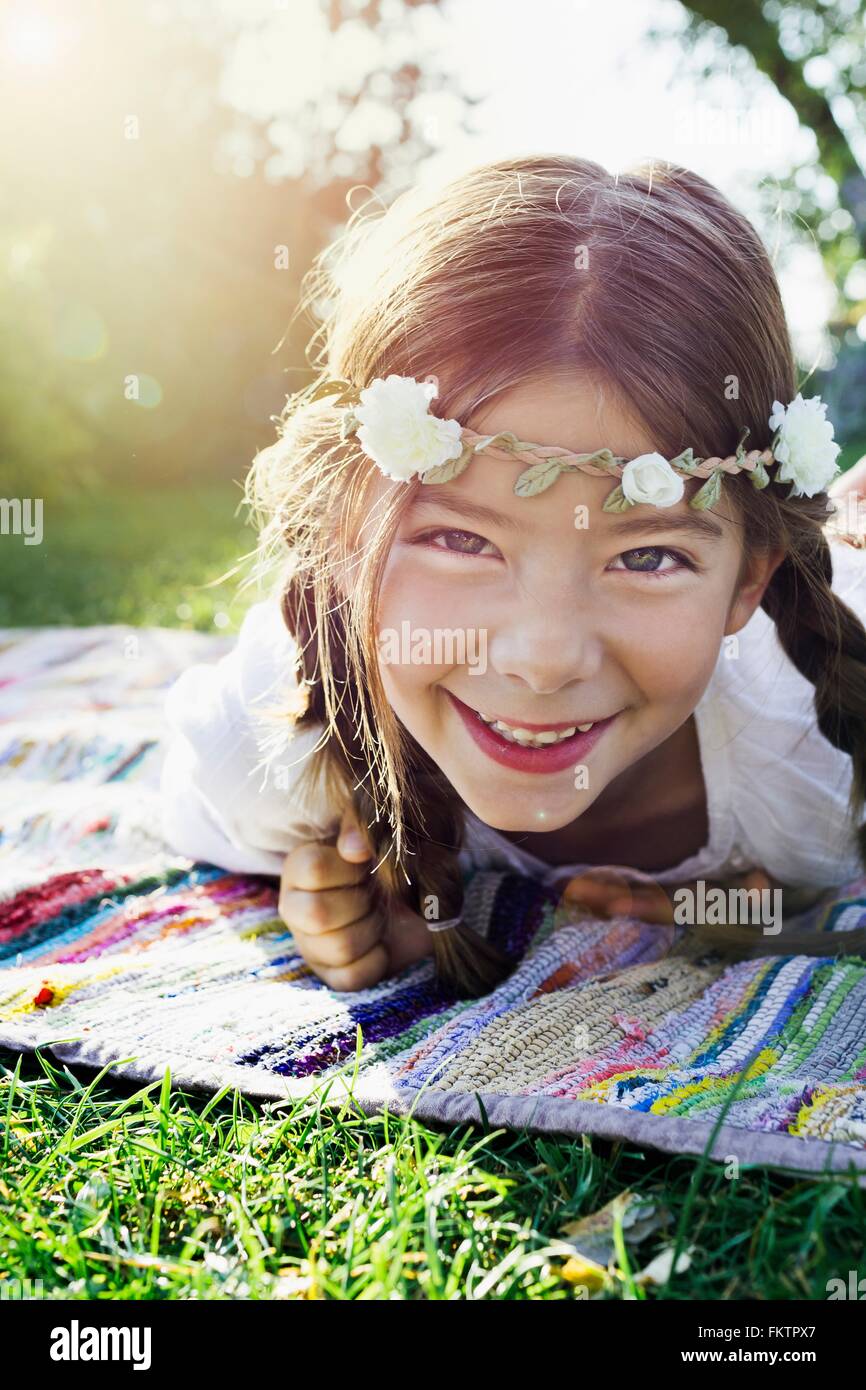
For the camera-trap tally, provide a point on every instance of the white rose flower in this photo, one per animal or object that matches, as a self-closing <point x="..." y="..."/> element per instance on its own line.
<point x="805" y="451"/>
<point x="397" y="430"/>
<point x="651" y="479"/>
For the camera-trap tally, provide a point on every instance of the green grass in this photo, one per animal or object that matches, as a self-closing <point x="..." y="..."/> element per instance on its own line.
<point x="127" y="555"/>
<point x="109" y="1189"/>
<point x="145" y="1192"/>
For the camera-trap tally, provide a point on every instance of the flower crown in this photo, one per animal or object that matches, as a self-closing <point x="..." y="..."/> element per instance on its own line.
<point x="393" y="424"/>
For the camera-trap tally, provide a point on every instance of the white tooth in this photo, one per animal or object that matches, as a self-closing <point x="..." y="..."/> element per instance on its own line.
<point x="529" y="738"/>
<point x="584" y="728"/>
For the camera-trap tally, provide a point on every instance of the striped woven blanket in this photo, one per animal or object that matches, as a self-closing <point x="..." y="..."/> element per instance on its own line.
<point x="116" y="952"/>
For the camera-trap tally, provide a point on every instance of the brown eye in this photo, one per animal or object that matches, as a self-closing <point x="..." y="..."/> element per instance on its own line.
<point x="459" y="542"/>
<point x="646" y="559"/>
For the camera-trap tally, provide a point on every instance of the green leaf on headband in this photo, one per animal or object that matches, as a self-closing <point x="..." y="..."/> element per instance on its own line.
<point x="538" y="478"/>
<point x="709" y="494"/>
<point x="616" y="501"/>
<point x="483" y="443"/>
<point x="604" y="458"/>
<point x="759" y="475"/>
<point x="451" y="468"/>
<point x="685" y="461"/>
<point x="505" y="439"/>
<point x="329" y="388"/>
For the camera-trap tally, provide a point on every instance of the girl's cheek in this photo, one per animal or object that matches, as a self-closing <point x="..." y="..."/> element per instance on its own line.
<point x="677" y="660"/>
<point x="409" y="691"/>
<point x="415" y="593"/>
<point x="420" y="622"/>
<point x="669" y="651"/>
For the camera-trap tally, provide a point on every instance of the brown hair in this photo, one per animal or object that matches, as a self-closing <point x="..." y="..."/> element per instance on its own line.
<point x="478" y="284"/>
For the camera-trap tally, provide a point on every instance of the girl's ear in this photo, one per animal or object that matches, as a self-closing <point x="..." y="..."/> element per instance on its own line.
<point x="759" y="572"/>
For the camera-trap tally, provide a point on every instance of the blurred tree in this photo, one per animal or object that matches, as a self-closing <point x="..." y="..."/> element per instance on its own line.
<point x="815" y="55"/>
<point x="175" y="168"/>
<point x="174" y="171"/>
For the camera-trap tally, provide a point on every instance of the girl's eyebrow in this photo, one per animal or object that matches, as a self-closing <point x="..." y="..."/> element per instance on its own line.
<point x="433" y="496"/>
<point x="697" y="524"/>
<point x="694" y="523"/>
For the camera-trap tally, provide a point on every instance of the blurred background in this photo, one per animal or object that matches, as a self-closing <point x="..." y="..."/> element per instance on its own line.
<point x="171" y="167"/>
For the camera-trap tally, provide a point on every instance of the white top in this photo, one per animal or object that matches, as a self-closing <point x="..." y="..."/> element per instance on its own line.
<point x="776" y="789"/>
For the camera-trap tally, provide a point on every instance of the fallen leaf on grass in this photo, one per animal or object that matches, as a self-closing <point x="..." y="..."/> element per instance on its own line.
<point x="593" y="1236"/>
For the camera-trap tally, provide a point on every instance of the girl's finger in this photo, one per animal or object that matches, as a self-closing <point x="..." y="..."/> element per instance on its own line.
<point x="323" y="912"/>
<point x="647" y="907"/>
<point x="610" y="894"/>
<point x="594" y="889"/>
<point x="352" y="843"/>
<point x="342" y="947"/>
<point x="314" y="867"/>
<point x="361" y="974"/>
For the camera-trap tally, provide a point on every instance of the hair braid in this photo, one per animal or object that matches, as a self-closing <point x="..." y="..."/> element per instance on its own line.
<point x="465" y="962"/>
<point x="826" y="641"/>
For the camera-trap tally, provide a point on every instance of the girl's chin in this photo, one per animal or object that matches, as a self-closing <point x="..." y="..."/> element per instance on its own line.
<point x="519" y="814"/>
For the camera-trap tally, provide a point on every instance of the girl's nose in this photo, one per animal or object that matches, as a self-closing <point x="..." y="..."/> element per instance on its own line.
<point x="547" y="649"/>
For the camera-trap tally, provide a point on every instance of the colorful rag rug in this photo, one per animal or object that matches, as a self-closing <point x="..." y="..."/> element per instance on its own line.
<point x="114" y="951"/>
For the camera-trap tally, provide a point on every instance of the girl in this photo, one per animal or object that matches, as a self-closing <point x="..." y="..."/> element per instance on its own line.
<point x="539" y="607"/>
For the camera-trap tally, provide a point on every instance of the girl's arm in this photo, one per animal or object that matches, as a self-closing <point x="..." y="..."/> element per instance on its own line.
<point x="221" y="802"/>
<point x="655" y="902"/>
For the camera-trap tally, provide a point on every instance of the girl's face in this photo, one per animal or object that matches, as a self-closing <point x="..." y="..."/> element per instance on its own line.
<point x="547" y="613"/>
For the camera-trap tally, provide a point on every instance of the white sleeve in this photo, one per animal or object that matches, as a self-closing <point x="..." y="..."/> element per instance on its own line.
<point x="230" y="794"/>
<point x="849" y="576"/>
<point x="790" y="785"/>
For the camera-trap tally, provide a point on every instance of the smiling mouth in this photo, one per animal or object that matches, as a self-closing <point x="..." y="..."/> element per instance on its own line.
<point x="530" y="747"/>
<point x="530" y="735"/>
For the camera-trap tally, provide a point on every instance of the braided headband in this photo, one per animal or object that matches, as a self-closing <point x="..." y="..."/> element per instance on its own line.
<point x="392" y="420"/>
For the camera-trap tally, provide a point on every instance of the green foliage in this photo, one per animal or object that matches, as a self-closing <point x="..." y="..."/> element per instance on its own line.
<point x="123" y="555"/>
<point x="113" y="1189"/>
<point x="814" y="56"/>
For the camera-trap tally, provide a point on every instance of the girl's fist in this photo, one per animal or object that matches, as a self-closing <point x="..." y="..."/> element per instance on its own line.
<point x="327" y="902"/>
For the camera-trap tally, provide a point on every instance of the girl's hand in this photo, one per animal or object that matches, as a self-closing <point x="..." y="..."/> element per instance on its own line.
<point x="326" y="901"/>
<point x="606" y="893"/>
